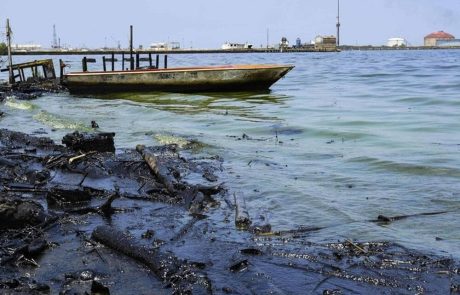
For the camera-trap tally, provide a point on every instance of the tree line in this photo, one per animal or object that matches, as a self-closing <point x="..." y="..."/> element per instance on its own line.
<point x="3" y="49"/>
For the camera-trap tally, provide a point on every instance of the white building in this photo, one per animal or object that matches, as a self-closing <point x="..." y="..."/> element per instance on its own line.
<point x="165" y="46"/>
<point x="230" y="46"/>
<point x="26" y="47"/>
<point x="396" y="42"/>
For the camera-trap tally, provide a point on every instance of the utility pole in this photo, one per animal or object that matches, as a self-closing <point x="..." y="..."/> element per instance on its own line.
<point x="10" y="58"/>
<point x="338" y="23"/>
<point x="131" y="47"/>
<point x="268" y="38"/>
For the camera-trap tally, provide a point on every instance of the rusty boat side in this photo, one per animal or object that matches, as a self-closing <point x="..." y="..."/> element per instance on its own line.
<point x="191" y="79"/>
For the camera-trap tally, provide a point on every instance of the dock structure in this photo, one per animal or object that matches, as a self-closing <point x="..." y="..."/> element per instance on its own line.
<point x="134" y="62"/>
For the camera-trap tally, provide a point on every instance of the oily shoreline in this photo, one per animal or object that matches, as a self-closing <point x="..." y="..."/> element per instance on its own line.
<point x="82" y="219"/>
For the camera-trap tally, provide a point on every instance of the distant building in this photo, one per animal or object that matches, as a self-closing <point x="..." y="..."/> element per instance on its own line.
<point x="159" y="46"/>
<point x="326" y="43"/>
<point x="284" y="43"/>
<point x="26" y="47"/>
<point x="233" y="46"/>
<point x="165" y="46"/>
<point x="298" y="43"/>
<point x="448" y="43"/>
<point x="433" y="38"/>
<point x="397" y="42"/>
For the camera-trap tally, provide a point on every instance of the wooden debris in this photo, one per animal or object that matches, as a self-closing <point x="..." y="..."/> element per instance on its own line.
<point x="73" y="159"/>
<point x="158" y="168"/>
<point x="87" y="142"/>
<point x="242" y="219"/>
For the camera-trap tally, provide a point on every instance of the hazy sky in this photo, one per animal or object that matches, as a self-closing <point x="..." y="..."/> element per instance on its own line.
<point x="209" y="23"/>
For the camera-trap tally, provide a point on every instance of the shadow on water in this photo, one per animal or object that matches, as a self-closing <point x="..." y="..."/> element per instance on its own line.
<point x="241" y="104"/>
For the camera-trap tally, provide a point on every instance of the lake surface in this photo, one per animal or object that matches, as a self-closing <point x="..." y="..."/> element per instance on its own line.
<point x="343" y="138"/>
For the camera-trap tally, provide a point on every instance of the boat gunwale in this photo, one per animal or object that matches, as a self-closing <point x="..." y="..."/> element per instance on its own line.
<point x="182" y="69"/>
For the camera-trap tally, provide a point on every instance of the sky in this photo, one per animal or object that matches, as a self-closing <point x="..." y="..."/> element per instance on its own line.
<point x="210" y="23"/>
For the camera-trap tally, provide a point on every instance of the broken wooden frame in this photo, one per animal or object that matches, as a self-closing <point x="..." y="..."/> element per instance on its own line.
<point x="40" y="69"/>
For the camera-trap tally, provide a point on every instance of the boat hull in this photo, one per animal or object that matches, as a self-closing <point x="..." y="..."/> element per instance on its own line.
<point x="224" y="78"/>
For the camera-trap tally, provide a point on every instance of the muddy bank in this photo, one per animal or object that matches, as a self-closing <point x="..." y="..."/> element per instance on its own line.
<point x="88" y="218"/>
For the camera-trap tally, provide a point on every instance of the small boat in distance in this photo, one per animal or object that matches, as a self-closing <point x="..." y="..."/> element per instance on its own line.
<point x="190" y="79"/>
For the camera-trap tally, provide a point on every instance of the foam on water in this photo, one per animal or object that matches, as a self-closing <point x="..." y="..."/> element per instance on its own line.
<point x="13" y="103"/>
<point x="60" y="122"/>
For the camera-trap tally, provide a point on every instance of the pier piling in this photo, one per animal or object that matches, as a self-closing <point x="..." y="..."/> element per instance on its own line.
<point x="131" y="60"/>
<point x="84" y="64"/>
<point x="103" y="64"/>
<point x="61" y="70"/>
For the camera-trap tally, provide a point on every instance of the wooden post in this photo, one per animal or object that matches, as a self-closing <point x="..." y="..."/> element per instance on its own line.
<point x="123" y="61"/>
<point x="166" y="61"/>
<point x="84" y="64"/>
<point x="10" y="58"/>
<point x="103" y="64"/>
<point x="131" y="47"/>
<point x="150" y="59"/>
<point x="137" y="60"/>
<point x="61" y="69"/>
<point x="22" y="76"/>
<point x="157" y="62"/>
<point x="113" y="61"/>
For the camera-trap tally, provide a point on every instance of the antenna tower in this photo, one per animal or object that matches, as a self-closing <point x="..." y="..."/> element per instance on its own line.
<point x="55" y="41"/>
<point x="338" y="23"/>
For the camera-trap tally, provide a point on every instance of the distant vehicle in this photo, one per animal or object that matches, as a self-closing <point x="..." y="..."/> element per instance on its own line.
<point x="232" y="46"/>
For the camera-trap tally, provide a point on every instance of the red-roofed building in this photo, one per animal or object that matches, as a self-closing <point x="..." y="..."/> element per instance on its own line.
<point x="433" y="38"/>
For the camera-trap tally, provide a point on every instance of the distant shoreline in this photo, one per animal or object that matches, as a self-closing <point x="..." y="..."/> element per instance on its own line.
<point x="205" y="51"/>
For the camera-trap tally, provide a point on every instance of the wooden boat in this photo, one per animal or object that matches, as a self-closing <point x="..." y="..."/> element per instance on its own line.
<point x="193" y="79"/>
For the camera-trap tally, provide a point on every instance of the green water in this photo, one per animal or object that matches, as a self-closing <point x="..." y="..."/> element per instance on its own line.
<point x="343" y="138"/>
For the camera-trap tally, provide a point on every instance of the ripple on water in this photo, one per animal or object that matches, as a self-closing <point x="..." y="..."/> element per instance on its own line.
<point x="406" y="168"/>
<point x="337" y="134"/>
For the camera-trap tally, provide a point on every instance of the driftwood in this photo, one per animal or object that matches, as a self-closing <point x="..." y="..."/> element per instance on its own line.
<point x="105" y="209"/>
<point x="122" y="243"/>
<point x="65" y="197"/>
<point x="178" y="274"/>
<point x="159" y="169"/>
<point x="242" y="219"/>
<point x="383" y="218"/>
<point x="101" y="142"/>
<point x="17" y="213"/>
<point x="73" y="159"/>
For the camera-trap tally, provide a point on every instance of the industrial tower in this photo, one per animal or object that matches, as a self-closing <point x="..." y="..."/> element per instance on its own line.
<point x="55" y="39"/>
<point x="338" y="23"/>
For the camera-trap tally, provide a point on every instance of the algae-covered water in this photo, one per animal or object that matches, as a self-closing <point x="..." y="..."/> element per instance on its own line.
<point x="343" y="138"/>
